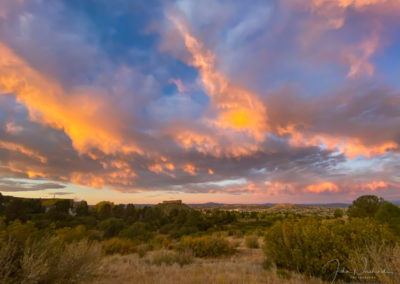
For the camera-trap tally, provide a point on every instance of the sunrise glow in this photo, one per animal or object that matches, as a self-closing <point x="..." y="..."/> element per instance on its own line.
<point x="278" y="101"/>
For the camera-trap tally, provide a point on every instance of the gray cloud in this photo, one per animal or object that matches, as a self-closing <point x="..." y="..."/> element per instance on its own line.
<point x="17" y="186"/>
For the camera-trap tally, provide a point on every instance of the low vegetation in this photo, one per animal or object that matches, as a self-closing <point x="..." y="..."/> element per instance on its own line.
<point x="59" y="241"/>
<point x="47" y="260"/>
<point x="207" y="246"/>
<point x="252" y="241"/>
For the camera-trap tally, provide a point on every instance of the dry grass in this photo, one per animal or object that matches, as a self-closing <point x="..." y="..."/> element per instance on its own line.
<point x="243" y="267"/>
<point x="252" y="241"/>
<point x="48" y="261"/>
<point x="382" y="264"/>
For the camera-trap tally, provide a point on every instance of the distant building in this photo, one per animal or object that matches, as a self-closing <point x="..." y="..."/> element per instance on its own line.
<point x="172" y="202"/>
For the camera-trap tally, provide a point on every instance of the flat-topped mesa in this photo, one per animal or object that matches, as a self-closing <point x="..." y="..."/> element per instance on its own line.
<point x="170" y="205"/>
<point x="172" y="202"/>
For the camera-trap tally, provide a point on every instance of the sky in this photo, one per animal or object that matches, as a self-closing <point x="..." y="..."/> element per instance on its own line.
<point x="206" y="101"/>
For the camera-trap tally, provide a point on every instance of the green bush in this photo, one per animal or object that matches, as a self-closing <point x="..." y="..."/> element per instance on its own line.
<point x="69" y="235"/>
<point x="207" y="246"/>
<point x="252" y="241"/>
<point x="137" y="231"/>
<point x="390" y="214"/>
<point x="161" y="242"/>
<point x="118" y="246"/>
<point x="111" y="227"/>
<point x="308" y="244"/>
<point x="19" y="232"/>
<point x="338" y="213"/>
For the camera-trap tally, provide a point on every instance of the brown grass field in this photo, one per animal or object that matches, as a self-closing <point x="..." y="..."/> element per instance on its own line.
<point x="245" y="266"/>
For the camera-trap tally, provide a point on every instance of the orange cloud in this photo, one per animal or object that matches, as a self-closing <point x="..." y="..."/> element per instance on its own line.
<point x="238" y="109"/>
<point x="214" y="145"/>
<point x="190" y="169"/>
<point x="88" y="121"/>
<point x="358" y="58"/>
<point x="115" y="178"/>
<point x="178" y="83"/>
<point x="332" y="15"/>
<point x="23" y="150"/>
<point x="352" y="147"/>
<point x="347" y="3"/>
<point x="242" y="110"/>
<point x="322" y="187"/>
<point x="375" y="185"/>
<point x="164" y="166"/>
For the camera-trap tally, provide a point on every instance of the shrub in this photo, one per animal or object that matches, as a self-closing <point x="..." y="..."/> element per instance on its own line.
<point x="185" y="257"/>
<point x="111" y="227"/>
<point x="390" y="214"/>
<point x="378" y="259"/>
<point x="207" y="246"/>
<point x="8" y="263"/>
<point x="118" y="246"/>
<point x="338" y="213"/>
<point x="82" y="208"/>
<point x="137" y="231"/>
<point x="267" y="264"/>
<point x="47" y="260"/>
<point x="162" y="242"/>
<point x="142" y="249"/>
<point x="18" y="232"/>
<point x="168" y="257"/>
<point x="252" y="241"/>
<point x="3" y="225"/>
<point x="307" y="245"/>
<point x="69" y="235"/>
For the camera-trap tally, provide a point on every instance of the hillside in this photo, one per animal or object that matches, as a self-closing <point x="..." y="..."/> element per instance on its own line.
<point x="168" y="206"/>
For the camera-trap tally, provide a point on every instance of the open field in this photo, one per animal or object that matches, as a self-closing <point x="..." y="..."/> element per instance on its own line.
<point x="245" y="266"/>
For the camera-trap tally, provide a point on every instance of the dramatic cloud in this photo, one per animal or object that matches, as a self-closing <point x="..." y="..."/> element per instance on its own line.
<point x="285" y="100"/>
<point x="78" y="114"/>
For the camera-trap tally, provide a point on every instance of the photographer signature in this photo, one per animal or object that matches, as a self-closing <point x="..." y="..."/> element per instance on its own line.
<point x="354" y="272"/>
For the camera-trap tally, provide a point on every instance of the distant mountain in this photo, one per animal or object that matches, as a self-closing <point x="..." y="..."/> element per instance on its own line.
<point x="214" y="204"/>
<point x="336" y="205"/>
<point x="207" y="204"/>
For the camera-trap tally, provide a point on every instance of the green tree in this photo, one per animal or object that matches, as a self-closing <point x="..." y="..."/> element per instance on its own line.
<point x="59" y="210"/>
<point x="33" y="206"/>
<point x="137" y="231"/>
<point x="15" y="209"/>
<point x="338" y="213"/>
<point x="82" y="208"/>
<point x="365" y="206"/>
<point x="111" y="227"/>
<point x="118" y="211"/>
<point x="130" y="212"/>
<point x="1" y="204"/>
<point x="390" y="214"/>
<point x="104" y="209"/>
<point x="62" y="206"/>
